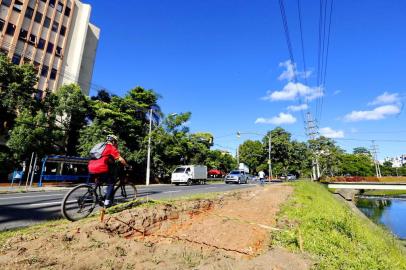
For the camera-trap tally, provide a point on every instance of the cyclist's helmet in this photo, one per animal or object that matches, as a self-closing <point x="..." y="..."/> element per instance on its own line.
<point x="112" y="138"/>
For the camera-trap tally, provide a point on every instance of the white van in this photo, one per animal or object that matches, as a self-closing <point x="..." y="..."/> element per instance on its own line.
<point x="189" y="174"/>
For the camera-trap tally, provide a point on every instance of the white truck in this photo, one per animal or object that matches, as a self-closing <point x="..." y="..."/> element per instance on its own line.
<point x="189" y="174"/>
<point x="243" y="167"/>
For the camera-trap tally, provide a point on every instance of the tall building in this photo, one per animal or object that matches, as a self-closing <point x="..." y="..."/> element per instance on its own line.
<point x="55" y="36"/>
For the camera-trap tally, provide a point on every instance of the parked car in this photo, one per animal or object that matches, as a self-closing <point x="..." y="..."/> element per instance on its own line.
<point x="289" y="177"/>
<point x="236" y="176"/>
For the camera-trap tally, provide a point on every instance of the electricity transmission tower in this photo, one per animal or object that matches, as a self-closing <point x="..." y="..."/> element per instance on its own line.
<point x="312" y="132"/>
<point x="374" y="152"/>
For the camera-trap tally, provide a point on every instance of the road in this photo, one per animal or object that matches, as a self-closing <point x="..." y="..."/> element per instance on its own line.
<point x="24" y="209"/>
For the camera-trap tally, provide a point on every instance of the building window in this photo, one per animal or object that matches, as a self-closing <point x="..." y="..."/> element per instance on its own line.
<point x="7" y="3"/>
<point x="29" y="13"/>
<point x="52" y="76"/>
<point x="16" y="59"/>
<point x="41" y="44"/>
<point x="58" y="51"/>
<point x="36" y="66"/>
<point x="47" y="22"/>
<point x="18" y="6"/>
<point x="63" y="30"/>
<point x="23" y="34"/>
<point x="10" y="29"/>
<point x="39" y="94"/>
<point x="67" y="11"/>
<point x="1" y="25"/>
<point x="44" y="71"/>
<point x="32" y="39"/>
<point x="59" y="7"/>
<point x="55" y="26"/>
<point x="50" y="47"/>
<point x="38" y="17"/>
<point x="52" y="3"/>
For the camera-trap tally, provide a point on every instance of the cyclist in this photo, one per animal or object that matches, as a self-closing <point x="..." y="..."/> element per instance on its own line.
<point x="261" y="176"/>
<point x="105" y="167"/>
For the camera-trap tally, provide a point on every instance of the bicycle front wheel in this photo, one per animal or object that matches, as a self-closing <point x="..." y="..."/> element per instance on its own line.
<point x="125" y="193"/>
<point x="79" y="202"/>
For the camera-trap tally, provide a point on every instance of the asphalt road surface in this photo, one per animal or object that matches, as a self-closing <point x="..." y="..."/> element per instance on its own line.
<point x="24" y="209"/>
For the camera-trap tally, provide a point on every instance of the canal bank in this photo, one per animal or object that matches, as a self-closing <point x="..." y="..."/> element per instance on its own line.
<point x="335" y="232"/>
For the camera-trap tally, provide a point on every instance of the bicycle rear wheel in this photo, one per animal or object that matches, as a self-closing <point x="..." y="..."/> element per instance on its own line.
<point x="79" y="202"/>
<point x="125" y="193"/>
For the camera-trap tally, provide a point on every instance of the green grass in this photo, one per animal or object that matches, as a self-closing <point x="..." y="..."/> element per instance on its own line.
<point x="384" y="192"/>
<point x="49" y="226"/>
<point x="330" y="231"/>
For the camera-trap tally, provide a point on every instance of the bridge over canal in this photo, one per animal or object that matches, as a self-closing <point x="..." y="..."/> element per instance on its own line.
<point x="349" y="189"/>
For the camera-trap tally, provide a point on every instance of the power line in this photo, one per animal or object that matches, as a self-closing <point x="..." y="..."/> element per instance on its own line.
<point x="290" y="49"/>
<point x="302" y="42"/>
<point x="326" y="60"/>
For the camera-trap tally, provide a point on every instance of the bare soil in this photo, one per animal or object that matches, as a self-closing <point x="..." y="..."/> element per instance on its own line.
<point x="232" y="231"/>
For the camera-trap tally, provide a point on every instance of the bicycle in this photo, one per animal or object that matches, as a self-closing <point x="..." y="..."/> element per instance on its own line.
<point x="81" y="200"/>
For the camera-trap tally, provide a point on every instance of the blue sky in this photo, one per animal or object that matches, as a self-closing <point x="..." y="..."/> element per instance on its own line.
<point x="224" y="60"/>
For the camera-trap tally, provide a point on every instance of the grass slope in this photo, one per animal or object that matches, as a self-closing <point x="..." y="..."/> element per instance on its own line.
<point x="326" y="228"/>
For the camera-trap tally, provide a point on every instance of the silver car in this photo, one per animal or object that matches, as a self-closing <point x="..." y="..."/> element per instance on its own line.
<point x="236" y="176"/>
<point x="289" y="177"/>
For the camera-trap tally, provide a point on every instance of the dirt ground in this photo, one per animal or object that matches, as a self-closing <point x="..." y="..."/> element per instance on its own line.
<point x="232" y="231"/>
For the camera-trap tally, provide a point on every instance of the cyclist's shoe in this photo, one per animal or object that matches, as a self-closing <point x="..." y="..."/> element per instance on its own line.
<point x="108" y="203"/>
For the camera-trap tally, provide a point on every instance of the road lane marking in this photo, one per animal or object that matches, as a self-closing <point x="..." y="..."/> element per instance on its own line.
<point x="42" y="204"/>
<point x="172" y="191"/>
<point x="37" y="196"/>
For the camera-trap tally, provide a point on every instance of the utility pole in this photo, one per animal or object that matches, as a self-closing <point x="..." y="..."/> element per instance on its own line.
<point x="149" y="150"/>
<point x="269" y="156"/>
<point x="238" y="156"/>
<point x="374" y="151"/>
<point x="238" y="150"/>
<point x="312" y="134"/>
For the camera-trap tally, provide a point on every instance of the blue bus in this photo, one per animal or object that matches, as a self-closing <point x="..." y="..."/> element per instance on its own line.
<point x="64" y="169"/>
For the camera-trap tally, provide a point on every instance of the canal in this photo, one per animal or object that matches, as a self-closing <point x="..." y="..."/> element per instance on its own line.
<point x="390" y="212"/>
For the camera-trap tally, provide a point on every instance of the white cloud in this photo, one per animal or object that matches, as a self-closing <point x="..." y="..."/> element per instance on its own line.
<point x="336" y="92"/>
<point x="296" y="108"/>
<point x="376" y="114"/>
<point x="293" y="90"/>
<point x="385" y="98"/>
<point x="291" y="71"/>
<point x="282" y="118"/>
<point x="331" y="133"/>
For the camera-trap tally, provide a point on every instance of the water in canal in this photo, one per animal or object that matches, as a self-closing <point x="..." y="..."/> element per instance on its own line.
<point x="390" y="212"/>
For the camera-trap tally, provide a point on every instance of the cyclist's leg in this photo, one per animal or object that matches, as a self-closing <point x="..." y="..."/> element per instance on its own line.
<point x="110" y="189"/>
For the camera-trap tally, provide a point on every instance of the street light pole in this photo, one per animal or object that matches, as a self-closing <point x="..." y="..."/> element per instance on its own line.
<point x="269" y="156"/>
<point x="149" y="149"/>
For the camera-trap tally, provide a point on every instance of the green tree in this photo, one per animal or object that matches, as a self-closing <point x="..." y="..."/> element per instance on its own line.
<point x="357" y="165"/>
<point x="328" y="155"/>
<point x="252" y="153"/>
<point x="223" y="161"/>
<point x="280" y="152"/>
<point x="71" y="114"/>
<point x="361" y="150"/>
<point x="17" y="87"/>
<point x="34" y="133"/>
<point x="127" y="118"/>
